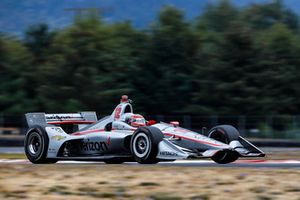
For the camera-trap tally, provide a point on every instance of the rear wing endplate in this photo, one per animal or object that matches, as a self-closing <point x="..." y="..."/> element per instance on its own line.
<point x="60" y="118"/>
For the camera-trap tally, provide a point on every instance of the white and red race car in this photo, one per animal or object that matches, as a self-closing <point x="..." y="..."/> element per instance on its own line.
<point x="124" y="137"/>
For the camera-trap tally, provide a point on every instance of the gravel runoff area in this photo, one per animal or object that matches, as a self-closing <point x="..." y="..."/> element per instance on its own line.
<point x="92" y="181"/>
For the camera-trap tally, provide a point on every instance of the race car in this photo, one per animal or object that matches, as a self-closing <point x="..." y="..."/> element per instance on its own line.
<point x="125" y="136"/>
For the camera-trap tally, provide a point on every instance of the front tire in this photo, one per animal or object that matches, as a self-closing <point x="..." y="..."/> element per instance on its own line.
<point x="225" y="157"/>
<point x="224" y="134"/>
<point x="36" y="146"/>
<point x="144" y="144"/>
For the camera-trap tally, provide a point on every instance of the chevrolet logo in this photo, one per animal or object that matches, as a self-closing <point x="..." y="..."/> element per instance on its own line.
<point x="58" y="137"/>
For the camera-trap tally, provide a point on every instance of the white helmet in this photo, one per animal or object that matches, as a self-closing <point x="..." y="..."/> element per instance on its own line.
<point x="134" y="120"/>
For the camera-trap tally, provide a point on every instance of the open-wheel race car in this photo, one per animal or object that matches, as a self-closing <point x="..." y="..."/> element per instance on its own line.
<point x="127" y="137"/>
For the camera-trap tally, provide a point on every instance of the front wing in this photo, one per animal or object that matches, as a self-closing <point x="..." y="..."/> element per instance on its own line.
<point x="171" y="151"/>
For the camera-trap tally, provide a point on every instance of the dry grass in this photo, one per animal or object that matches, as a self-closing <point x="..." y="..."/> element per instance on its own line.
<point x="99" y="181"/>
<point x="12" y="156"/>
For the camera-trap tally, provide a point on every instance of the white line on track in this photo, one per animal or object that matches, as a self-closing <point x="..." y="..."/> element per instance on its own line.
<point x="257" y="162"/>
<point x="270" y="161"/>
<point x="241" y="161"/>
<point x="13" y="161"/>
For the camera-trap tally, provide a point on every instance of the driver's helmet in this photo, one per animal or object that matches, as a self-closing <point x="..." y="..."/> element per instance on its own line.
<point x="134" y="120"/>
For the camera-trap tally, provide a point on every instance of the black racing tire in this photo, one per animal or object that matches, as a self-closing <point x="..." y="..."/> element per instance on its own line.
<point x="36" y="146"/>
<point x="225" y="157"/>
<point x="144" y="144"/>
<point x="224" y="134"/>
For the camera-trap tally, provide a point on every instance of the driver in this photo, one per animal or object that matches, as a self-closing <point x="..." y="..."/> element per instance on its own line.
<point x="134" y="120"/>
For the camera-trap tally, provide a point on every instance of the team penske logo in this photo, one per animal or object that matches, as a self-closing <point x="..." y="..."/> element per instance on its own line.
<point x="58" y="117"/>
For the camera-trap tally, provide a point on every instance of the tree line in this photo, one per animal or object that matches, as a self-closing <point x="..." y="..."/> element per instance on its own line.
<point x="227" y="61"/>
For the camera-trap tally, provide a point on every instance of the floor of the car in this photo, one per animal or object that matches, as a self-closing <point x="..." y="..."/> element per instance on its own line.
<point x="94" y="158"/>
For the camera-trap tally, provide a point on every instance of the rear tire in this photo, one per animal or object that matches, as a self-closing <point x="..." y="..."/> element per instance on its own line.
<point x="36" y="146"/>
<point x="144" y="144"/>
<point x="224" y="134"/>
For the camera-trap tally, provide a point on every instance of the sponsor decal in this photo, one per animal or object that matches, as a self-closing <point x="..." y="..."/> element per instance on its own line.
<point x="108" y="141"/>
<point x="167" y="153"/>
<point x="50" y="150"/>
<point x="58" y="117"/>
<point x="58" y="137"/>
<point x="94" y="146"/>
<point x="118" y="112"/>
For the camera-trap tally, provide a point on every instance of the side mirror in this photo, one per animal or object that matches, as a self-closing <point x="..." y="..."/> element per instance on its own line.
<point x="174" y="123"/>
<point x="151" y="122"/>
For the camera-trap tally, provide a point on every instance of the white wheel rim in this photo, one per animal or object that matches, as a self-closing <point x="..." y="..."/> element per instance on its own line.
<point x="141" y="145"/>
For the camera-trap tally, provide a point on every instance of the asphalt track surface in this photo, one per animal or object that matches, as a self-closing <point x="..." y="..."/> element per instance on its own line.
<point x="185" y="163"/>
<point x="179" y="163"/>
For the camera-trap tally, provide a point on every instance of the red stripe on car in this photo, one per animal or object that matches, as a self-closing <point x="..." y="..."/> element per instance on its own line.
<point x="191" y="139"/>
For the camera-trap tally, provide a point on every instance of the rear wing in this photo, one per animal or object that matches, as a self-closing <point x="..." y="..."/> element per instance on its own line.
<point x="60" y="118"/>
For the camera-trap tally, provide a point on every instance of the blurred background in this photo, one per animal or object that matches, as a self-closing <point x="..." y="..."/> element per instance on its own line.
<point x="201" y="63"/>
